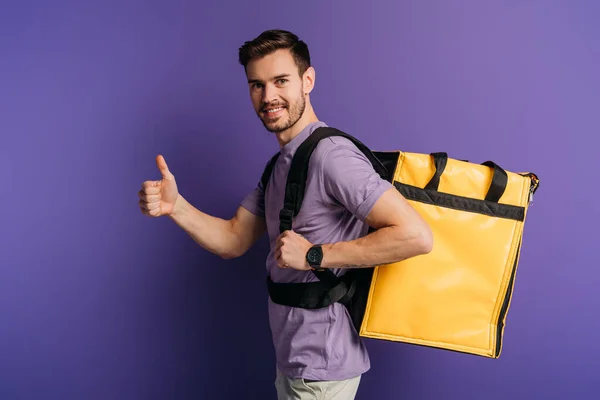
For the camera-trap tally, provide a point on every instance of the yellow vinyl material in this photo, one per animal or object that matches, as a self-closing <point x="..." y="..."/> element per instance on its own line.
<point x="457" y="296"/>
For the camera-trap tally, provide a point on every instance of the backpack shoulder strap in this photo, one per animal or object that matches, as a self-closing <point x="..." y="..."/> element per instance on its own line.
<point x="296" y="183"/>
<point x="298" y="173"/>
<point x="264" y="180"/>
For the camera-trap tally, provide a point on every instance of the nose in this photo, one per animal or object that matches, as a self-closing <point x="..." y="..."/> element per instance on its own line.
<point x="269" y="94"/>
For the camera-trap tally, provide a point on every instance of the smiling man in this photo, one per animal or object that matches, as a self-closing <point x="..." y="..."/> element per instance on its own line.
<point x="280" y="79"/>
<point x="319" y="354"/>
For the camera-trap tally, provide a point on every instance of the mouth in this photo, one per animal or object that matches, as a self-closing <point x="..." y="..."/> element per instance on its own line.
<point x="273" y="112"/>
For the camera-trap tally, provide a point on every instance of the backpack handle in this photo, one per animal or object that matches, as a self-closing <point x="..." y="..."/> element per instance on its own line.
<point x="497" y="186"/>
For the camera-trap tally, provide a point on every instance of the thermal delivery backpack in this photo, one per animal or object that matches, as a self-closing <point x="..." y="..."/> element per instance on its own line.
<point x="457" y="296"/>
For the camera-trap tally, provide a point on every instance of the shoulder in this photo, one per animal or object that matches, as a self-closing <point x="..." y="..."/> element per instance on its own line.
<point x="338" y="152"/>
<point x="347" y="176"/>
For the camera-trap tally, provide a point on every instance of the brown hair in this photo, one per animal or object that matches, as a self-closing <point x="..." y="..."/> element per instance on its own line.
<point x="271" y="40"/>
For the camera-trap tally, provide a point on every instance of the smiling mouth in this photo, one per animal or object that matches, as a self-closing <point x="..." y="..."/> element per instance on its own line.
<point x="273" y="109"/>
<point x="273" y="112"/>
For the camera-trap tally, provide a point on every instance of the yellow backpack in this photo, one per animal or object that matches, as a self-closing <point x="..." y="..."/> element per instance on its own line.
<point x="457" y="296"/>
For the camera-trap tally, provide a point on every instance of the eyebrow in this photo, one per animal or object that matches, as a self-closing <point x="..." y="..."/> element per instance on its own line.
<point x="274" y="78"/>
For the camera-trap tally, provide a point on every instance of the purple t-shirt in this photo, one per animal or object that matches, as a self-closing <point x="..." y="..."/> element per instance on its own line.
<point x="341" y="189"/>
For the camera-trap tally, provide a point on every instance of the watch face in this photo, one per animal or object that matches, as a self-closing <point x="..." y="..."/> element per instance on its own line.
<point x="314" y="256"/>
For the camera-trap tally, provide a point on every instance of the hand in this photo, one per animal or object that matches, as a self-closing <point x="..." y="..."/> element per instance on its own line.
<point x="290" y="251"/>
<point x="158" y="198"/>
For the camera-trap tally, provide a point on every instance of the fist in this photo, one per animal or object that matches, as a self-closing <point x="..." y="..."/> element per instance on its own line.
<point x="158" y="198"/>
<point x="290" y="251"/>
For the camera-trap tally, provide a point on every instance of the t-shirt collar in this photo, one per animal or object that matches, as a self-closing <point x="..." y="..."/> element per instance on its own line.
<point x="291" y="147"/>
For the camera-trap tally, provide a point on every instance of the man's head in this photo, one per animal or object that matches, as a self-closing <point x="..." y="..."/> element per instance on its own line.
<point x="280" y="77"/>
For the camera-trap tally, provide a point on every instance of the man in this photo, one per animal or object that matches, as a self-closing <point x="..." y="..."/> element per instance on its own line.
<point x="318" y="351"/>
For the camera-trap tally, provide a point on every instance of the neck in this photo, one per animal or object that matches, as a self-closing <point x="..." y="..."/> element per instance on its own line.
<point x="284" y="137"/>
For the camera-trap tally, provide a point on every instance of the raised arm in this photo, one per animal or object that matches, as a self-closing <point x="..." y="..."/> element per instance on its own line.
<point x="227" y="238"/>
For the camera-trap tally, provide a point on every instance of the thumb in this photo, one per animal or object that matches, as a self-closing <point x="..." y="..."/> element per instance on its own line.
<point x="164" y="170"/>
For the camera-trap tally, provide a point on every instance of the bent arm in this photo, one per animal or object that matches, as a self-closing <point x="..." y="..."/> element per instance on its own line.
<point x="400" y="233"/>
<point x="225" y="238"/>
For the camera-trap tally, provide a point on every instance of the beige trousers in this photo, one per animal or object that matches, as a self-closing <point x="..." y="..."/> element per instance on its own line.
<point x="301" y="389"/>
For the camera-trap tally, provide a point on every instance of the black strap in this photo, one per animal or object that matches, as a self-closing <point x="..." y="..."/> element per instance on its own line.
<point x="264" y="179"/>
<point x="497" y="186"/>
<point x="439" y="161"/>
<point x="499" y="182"/>
<point x="312" y="295"/>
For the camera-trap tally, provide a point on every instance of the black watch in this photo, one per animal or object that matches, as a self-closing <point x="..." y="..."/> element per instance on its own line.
<point x="314" y="256"/>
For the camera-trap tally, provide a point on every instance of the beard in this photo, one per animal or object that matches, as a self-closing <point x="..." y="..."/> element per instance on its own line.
<point x="292" y="113"/>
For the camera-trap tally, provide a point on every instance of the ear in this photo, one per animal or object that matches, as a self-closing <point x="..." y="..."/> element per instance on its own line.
<point x="308" y="80"/>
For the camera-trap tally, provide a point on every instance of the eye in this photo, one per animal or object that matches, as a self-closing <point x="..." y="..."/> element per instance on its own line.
<point x="257" y="85"/>
<point x="281" y="81"/>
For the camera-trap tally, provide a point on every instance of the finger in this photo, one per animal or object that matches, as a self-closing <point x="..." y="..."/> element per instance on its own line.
<point x="151" y="187"/>
<point x="281" y="263"/>
<point x="154" y="212"/>
<point x="162" y="167"/>
<point x="153" y="198"/>
<point x="149" y="206"/>
<point x="148" y="198"/>
<point x="150" y="213"/>
<point x="278" y="245"/>
<point x="153" y="206"/>
<point x="144" y="209"/>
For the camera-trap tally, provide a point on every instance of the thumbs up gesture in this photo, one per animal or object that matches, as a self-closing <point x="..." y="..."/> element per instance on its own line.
<point x="157" y="198"/>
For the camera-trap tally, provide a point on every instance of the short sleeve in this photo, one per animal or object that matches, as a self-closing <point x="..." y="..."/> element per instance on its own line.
<point x="255" y="202"/>
<point x="349" y="178"/>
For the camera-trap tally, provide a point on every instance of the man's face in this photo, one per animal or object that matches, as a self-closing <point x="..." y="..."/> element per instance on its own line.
<point x="276" y="90"/>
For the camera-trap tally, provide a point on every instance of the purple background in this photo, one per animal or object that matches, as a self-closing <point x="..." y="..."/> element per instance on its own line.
<point x="99" y="302"/>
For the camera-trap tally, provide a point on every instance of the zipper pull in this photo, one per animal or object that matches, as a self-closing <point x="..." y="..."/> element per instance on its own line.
<point x="531" y="196"/>
<point x="532" y="189"/>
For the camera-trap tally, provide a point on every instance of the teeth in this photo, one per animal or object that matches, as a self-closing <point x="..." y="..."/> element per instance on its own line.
<point x="275" y="110"/>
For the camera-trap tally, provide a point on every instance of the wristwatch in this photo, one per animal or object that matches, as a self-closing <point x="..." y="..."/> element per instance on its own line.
<point x="314" y="256"/>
